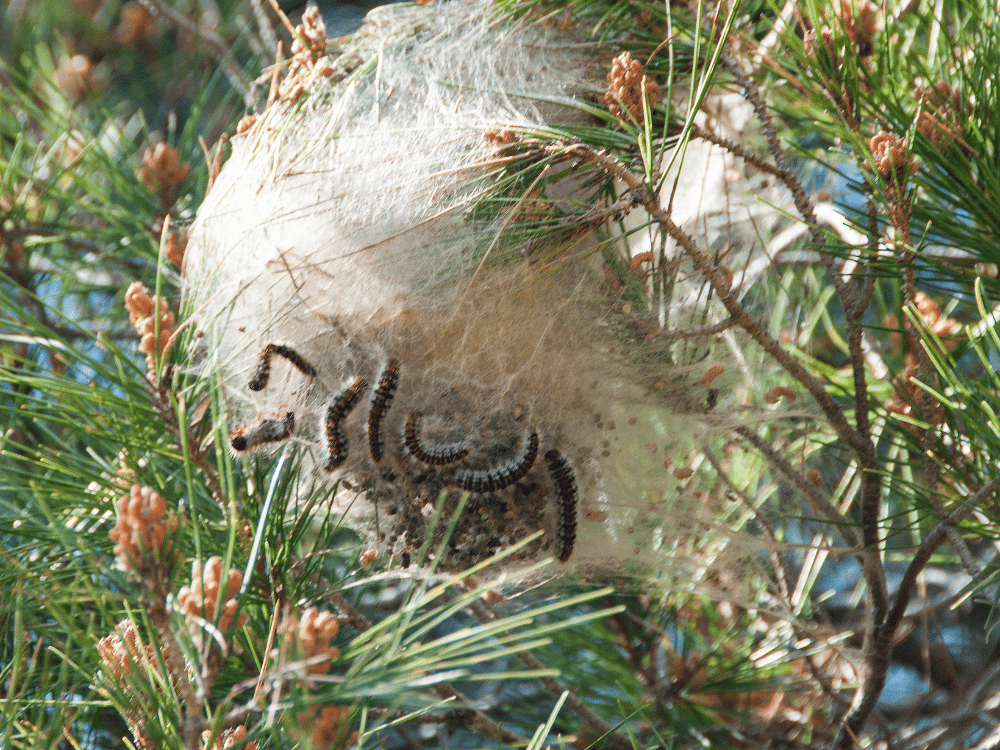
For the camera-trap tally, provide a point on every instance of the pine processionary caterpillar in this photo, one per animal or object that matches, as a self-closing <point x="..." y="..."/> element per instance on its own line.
<point x="336" y="436"/>
<point x="436" y="457"/>
<point x="562" y="475"/>
<point x="265" y="431"/>
<point x="498" y="479"/>
<point x="263" y="372"/>
<point x="712" y="399"/>
<point x="381" y="401"/>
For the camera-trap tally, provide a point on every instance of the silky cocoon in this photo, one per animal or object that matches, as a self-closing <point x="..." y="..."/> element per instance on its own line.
<point x="355" y="300"/>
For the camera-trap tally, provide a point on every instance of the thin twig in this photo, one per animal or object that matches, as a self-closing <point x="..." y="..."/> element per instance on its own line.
<point x="819" y="501"/>
<point x="264" y="25"/>
<point x="780" y="570"/>
<point x="479" y="721"/>
<point x="869" y="555"/>
<point x="876" y="649"/>
<point x="217" y="48"/>
<point x="848" y="300"/>
<point x="354" y="618"/>
<point x="737" y="150"/>
<point x="284" y="19"/>
<point x="673" y="336"/>
<point x="752" y="95"/>
<point x="878" y="643"/>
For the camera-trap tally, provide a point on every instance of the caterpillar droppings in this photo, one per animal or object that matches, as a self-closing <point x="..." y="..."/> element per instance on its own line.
<point x="381" y="401"/>
<point x="562" y="475"/>
<point x="499" y="479"/>
<point x="436" y="457"/>
<point x="265" y="431"/>
<point x="263" y="372"/>
<point x="336" y="435"/>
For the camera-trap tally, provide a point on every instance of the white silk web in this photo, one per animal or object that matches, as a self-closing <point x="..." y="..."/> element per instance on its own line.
<point x="355" y="296"/>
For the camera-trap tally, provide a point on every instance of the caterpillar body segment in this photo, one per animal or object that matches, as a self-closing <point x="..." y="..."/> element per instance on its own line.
<point x="431" y="457"/>
<point x="381" y="401"/>
<point x="565" y="482"/>
<point x="262" y="374"/>
<point x="265" y="431"/>
<point x="502" y="477"/>
<point x="336" y="413"/>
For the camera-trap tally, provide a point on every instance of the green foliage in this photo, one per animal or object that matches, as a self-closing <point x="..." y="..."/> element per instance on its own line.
<point x="893" y="328"/>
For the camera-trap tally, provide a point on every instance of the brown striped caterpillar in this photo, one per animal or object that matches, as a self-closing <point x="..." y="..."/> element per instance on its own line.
<point x="381" y="401"/>
<point x="435" y="457"/>
<point x="265" y="431"/>
<point x="336" y="435"/>
<point x="503" y="477"/>
<point x="263" y="372"/>
<point x="562" y="475"/>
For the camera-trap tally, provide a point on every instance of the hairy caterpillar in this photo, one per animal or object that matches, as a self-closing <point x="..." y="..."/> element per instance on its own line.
<point x="336" y="437"/>
<point x="265" y="431"/>
<point x="262" y="374"/>
<point x="380" y="403"/>
<point x="435" y="457"/>
<point x="500" y="478"/>
<point x="562" y="475"/>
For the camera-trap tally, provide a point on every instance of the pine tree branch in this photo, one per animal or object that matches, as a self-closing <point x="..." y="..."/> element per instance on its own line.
<point x="264" y="25"/>
<point x="878" y="642"/>
<point x="643" y="197"/>
<point x="822" y="505"/>
<point x="862" y="444"/>
<point x="218" y="49"/>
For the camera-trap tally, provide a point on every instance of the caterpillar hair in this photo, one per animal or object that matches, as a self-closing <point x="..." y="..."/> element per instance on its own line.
<point x="436" y="457"/>
<point x="381" y="401"/>
<point x="495" y="480"/>
<point x="252" y="436"/>
<point x="336" y="413"/>
<point x="565" y="483"/>
<point x="263" y="372"/>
